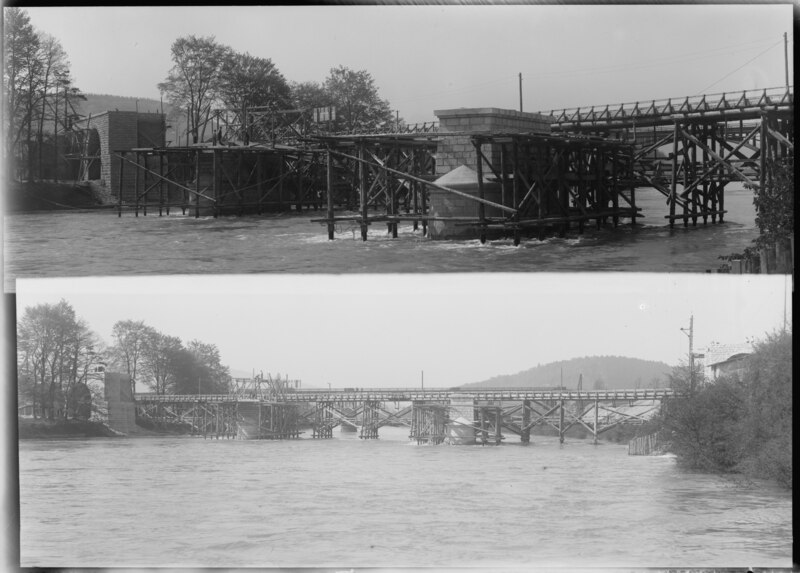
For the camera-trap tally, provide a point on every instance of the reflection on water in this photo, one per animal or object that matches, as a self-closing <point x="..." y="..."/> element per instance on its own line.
<point x="350" y="502"/>
<point x="99" y="243"/>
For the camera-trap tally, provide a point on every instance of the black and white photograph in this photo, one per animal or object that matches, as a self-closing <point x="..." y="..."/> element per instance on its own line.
<point x="344" y="287"/>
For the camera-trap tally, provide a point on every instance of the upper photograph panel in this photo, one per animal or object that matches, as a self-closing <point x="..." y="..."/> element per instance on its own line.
<point x="397" y="139"/>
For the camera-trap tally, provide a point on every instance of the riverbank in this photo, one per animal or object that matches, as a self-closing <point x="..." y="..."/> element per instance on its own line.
<point x="32" y="196"/>
<point x="30" y="429"/>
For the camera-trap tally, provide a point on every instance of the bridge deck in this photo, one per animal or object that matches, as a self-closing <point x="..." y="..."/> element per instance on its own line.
<point x="413" y="394"/>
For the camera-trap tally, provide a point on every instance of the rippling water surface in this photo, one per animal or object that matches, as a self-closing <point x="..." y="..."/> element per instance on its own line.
<point x="348" y="502"/>
<point x="98" y="243"/>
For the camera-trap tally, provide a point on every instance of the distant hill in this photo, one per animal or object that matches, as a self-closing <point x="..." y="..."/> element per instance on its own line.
<point x="598" y="372"/>
<point x="98" y="103"/>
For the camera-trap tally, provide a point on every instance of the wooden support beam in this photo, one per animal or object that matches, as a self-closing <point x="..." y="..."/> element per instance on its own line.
<point x="481" y="195"/>
<point x="329" y="194"/>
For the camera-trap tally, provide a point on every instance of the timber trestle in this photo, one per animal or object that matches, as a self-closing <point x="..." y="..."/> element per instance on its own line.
<point x="584" y="170"/>
<point x="690" y="149"/>
<point x="433" y="416"/>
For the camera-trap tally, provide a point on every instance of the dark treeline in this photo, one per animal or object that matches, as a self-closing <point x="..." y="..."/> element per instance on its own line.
<point x="207" y="75"/>
<point x="42" y="102"/>
<point x="739" y="423"/>
<point x="58" y="354"/>
<point x="774" y="220"/>
<point x="39" y="99"/>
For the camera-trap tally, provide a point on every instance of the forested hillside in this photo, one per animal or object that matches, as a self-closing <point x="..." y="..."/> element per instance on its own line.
<point x="598" y="372"/>
<point x="98" y="103"/>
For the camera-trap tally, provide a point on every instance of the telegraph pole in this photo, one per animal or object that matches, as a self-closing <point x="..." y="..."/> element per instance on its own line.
<point x="690" y="333"/>
<point x="786" y="57"/>
<point x="520" y="87"/>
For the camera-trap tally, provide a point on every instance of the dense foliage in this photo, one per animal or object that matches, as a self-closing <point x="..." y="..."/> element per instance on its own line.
<point x="774" y="218"/>
<point x="56" y="351"/>
<point x="60" y="360"/>
<point x="739" y="424"/>
<point x="164" y="364"/>
<point x="38" y="96"/>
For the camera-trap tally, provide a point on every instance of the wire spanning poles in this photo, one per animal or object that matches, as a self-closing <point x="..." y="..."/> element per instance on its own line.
<point x="219" y="180"/>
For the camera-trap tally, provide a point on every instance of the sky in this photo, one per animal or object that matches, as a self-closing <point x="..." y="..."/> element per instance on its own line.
<point x="387" y="330"/>
<point x="425" y="58"/>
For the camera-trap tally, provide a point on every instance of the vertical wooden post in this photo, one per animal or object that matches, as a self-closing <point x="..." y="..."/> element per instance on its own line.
<point x="161" y="184"/>
<point x="498" y="424"/>
<point x="525" y="434"/>
<point x="484" y="431"/>
<point x="280" y="181"/>
<point x="197" y="184"/>
<point x="632" y="190"/>
<point x="144" y="186"/>
<point x="423" y="190"/>
<point x="674" y="188"/>
<point x="503" y="175"/>
<point x="329" y="187"/>
<point x="596" y="418"/>
<point x="119" y="191"/>
<point x="708" y="140"/>
<point x="136" y="186"/>
<point x="515" y="187"/>
<point x="615" y="190"/>
<point x="299" y="167"/>
<point x="362" y="189"/>
<point x="561" y="420"/>
<point x="392" y="194"/>
<point x="691" y="174"/>
<point x="216" y="183"/>
<point x="764" y="149"/>
<point x="481" y="206"/>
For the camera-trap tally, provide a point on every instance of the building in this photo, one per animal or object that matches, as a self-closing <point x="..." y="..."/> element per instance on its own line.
<point x="724" y="359"/>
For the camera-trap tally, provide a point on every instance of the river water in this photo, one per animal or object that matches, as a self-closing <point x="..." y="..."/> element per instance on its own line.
<point x="346" y="502"/>
<point x="90" y="243"/>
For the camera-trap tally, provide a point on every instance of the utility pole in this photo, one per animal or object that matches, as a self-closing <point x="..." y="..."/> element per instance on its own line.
<point x="520" y="89"/>
<point x="690" y="333"/>
<point x="786" y="57"/>
<point x="422" y="379"/>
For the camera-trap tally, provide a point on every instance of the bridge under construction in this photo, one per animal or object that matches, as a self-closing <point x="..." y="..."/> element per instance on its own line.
<point x="530" y="173"/>
<point x="277" y="409"/>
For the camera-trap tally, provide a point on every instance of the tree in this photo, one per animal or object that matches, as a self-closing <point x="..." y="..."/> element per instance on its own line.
<point x="55" y="350"/>
<point x="55" y="73"/>
<point x="159" y="353"/>
<point x="358" y="106"/>
<point x="35" y="75"/>
<point x="252" y="81"/>
<point x="702" y="424"/>
<point x="195" y="79"/>
<point x="214" y="377"/>
<point x="737" y="424"/>
<point x="309" y="95"/>
<point x="130" y="338"/>
<point x="765" y="432"/>
<point x="775" y="204"/>
<point x="21" y="68"/>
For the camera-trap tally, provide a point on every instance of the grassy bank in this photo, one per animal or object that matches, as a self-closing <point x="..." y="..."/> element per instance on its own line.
<point x="52" y="196"/>
<point x="30" y="429"/>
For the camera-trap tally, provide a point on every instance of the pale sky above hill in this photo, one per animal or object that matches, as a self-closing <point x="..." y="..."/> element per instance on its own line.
<point x="383" y="330"/>
<point x="438" y="57"/>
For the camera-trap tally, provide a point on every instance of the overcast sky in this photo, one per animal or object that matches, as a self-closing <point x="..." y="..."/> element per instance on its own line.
<point x="384" y="330"/>
<point x="437" y="57"/>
